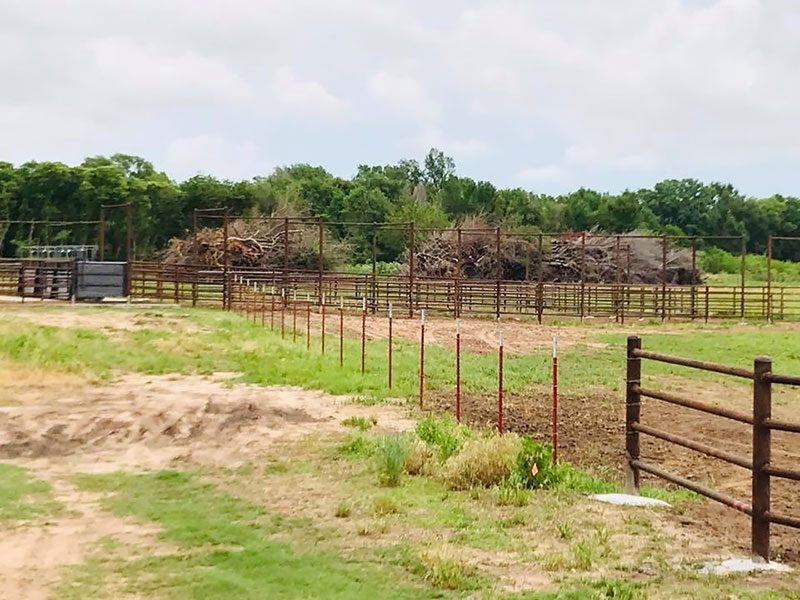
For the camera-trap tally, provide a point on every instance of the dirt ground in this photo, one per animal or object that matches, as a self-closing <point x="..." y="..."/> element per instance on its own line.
<point x="592" y="435"/>
<point x="142" y="422"/>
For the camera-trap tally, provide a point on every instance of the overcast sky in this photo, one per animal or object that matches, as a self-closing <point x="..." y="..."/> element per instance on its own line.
<point x="548" y="95"/>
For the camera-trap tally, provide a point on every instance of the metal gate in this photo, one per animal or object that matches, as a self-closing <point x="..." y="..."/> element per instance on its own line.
<point x="98" y="280"/>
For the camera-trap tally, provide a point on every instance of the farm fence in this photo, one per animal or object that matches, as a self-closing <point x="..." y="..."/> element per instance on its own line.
<point x="760" y="420"/>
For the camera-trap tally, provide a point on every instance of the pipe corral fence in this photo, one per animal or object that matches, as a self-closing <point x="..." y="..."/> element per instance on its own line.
<point x="760" y="421"/>
<point x="531" y="294"/>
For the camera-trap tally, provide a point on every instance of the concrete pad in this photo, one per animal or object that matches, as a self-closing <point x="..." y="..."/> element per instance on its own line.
<point x="629" y="500"/>
<point x="741" y="565"/>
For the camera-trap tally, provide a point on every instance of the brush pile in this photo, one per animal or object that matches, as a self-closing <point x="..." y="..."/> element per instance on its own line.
<point x="563" y="258"/>
<point x="258" y="243"/>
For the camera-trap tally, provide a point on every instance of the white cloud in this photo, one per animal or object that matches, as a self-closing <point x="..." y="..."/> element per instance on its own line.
<point x="403" y="96"/>
<point x="620" y="89"/>
<point x="215" y="155"/>
<point x="435" y="137"/>
<point x="301" y="97"/>
<point x="543" y="174"/>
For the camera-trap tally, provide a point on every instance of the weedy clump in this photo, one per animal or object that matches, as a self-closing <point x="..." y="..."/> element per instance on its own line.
<point x="391" y="452"/>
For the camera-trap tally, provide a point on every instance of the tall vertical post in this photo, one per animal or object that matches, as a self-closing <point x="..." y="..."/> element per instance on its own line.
<point x="226" y="292"/>
<point x="128" y="247"/>
<point x="618" y="280"/>
<point x="744" y="266"/>
<point x="554" y="433"/>
<point x="422" y="359"/>
<point x="341" y="332"/>
<point x="500" y="381"/>
<point x="194" y="229"/>
<point x="308" y="323"/>
<point x="320" y="258"/>
<point x="459" y="273"/>
<point x="286" y="252"/>
<point x="374" y="267"/>
<point x="499" y="259"/>
<point x="411" y="269"/>
<point x="322" y="326"/>
<point x="583" y="272"/>
<point x="363" y="334"/>
<point x="762" y="410"/>
<point x="294" y="316"/>
<point x="769" y="279"/>
<point x="458" y="370"/>
<point x="390" y="344"/>
<point x="663" y="278"/>
<point x="540" y="283"/>
<point x="693" y="291"/>
<point x="101" y="235"/>
<point x="632" y="409"/>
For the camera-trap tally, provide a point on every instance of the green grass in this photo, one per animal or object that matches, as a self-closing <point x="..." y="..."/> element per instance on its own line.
<point x="224" y="550"/>
<point x="23" y="497"/>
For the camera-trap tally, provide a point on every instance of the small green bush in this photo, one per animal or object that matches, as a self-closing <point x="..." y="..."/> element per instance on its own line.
<point x="391" y="453"/>
<point x="535" y="468"/>
<point x="356" y="444"/>
<point x="420" y="459"/>
<point x="384" y="505"/>
<point x="482" y="462"/>
<point x="444" y="434"/>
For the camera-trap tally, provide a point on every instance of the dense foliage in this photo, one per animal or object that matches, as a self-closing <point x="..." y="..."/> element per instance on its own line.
<point x="430" y="193"/>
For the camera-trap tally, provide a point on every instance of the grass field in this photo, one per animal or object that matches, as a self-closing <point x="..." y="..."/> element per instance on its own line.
<point x="368" y="500"/>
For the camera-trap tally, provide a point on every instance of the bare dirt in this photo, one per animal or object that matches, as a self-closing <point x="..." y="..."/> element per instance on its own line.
<point x="592" y="435"/>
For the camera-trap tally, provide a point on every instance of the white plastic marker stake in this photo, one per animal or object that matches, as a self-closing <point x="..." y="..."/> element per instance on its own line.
<point x="554" y="438"/>
<point x="421" y="358"/>
<point x="390" y="345"/>
<point x="500" y="380"/>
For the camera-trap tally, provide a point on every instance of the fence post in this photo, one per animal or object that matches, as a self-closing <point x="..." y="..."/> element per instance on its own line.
<point x="374" y="268"/>
<point x="500" y="381"/>
<point x="744" y="266"/>
<point x="583" y="272"/>
<point x="663" y="278"/>
<point x="458" y="370"/>
<point x="226" y="292"/>
<point x="411" y="270"/>
<point x="128" y="248"/>
<point x="632" y="408"/>
<point x="762" y="410"/>
<point x="499" y="258"/>
<point x="769" y="279"/>
<point x="390" y="345"/>
<point x="320" y="258"/>
<point x="422" y="359"/>
<point x="459" y="269"/>
<point x="694" y="278"/>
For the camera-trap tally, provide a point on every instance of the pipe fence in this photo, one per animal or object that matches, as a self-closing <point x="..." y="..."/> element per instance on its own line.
<point x="759" y="420"/>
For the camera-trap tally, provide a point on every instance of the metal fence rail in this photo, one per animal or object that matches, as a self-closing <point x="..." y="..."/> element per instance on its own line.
<point x="45" y="279"/>
<point x="760" y="421"/>
<point x="620" y="301"/>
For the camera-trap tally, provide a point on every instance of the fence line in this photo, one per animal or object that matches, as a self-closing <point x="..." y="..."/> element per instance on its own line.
<point x="760" y="421"/>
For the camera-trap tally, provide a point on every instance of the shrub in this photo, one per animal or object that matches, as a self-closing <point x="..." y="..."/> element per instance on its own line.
<point x="444" y="434"/>
<point x="391" y="452"/>
<point x="419" y="460"/>
<point x="535" y="468"/>
<point x="445" y="569"/>
<point x="343" y="510"/>
<point x="510" y="495"/>
<point x="356" y="444"/>
<point x="384" y="505"/>
<point x="483" y="462"/>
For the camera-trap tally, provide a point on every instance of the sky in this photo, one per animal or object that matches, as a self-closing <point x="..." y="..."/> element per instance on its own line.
<point x="548" y="96"/>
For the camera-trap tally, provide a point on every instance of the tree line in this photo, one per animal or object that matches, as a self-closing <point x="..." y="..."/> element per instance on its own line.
<point x="429" y="192"/>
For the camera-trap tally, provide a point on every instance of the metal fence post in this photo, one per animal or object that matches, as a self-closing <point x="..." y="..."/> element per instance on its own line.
<point x="411" y="270"/>
<point x="632" y="409"/>
<point x="743" y="267"/>
<point x="499" y="258"/>
<point x="769" y="279"/>
<point x="101" y="235"/>
<point x="226" y="292"/>
<point x="762" y="410"/>
<point x="663" y="278"/>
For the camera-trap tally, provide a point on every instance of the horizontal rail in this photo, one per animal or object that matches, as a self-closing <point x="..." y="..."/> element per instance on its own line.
<point x="695" y="364"/>
<point x="785" y="379"/>
<point x="695" y="487"/>
<point x="782" y="425"/>
<point x="782" y="520"/>
<point x="782" y="473"/>
<point x="693" y="445"/>
<point x="695" y="404"/>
